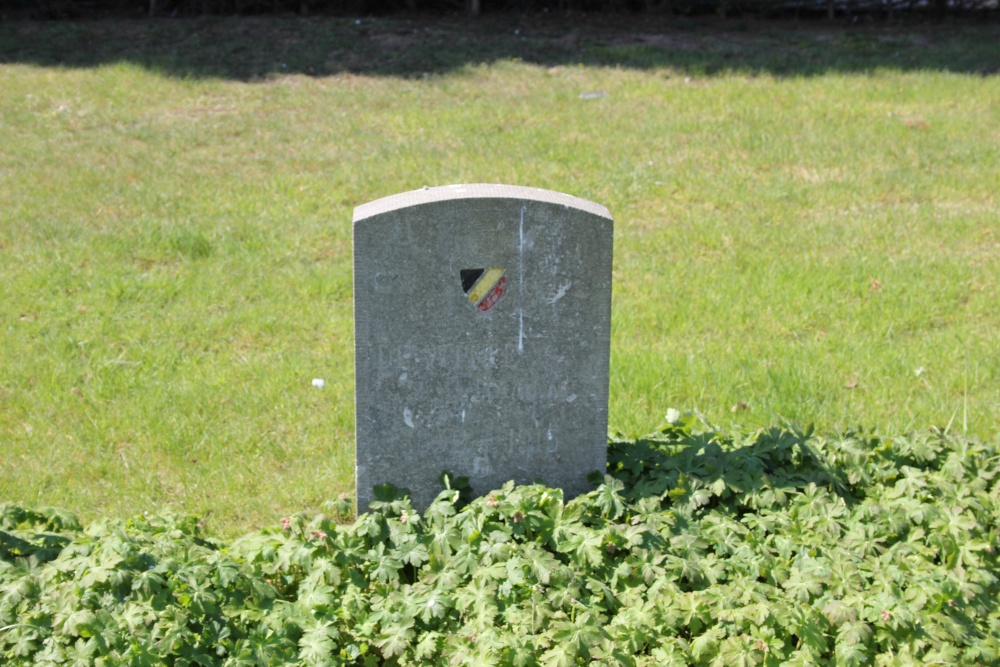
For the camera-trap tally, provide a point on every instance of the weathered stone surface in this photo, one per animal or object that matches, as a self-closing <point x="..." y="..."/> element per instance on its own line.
<point x="482" y="335"/>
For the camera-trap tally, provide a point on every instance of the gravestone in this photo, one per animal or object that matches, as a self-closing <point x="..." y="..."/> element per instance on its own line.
<point x="482" y="335"/>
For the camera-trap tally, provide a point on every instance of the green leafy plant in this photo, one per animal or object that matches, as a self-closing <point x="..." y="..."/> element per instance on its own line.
<point x="774" y="547"/>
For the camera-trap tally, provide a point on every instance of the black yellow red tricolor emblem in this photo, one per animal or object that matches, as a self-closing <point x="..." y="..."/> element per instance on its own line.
<point x="483" y="287"/>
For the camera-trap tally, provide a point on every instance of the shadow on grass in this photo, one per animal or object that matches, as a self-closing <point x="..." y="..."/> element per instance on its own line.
<point x="248" y="49"/>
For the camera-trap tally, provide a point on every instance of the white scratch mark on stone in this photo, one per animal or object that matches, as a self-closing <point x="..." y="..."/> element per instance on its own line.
<point x="463" y="416"/>
<point x="560" y="293"/>
<point x="550" y="434"/>
<point x="520" y="283"/>
<point x="408" y="417"/>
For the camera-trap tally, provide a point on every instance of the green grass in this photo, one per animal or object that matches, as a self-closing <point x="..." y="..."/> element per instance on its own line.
<point x="814" y="240"/>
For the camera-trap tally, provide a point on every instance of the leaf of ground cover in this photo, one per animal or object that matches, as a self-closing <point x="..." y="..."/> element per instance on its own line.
<point x="834" y="572"/>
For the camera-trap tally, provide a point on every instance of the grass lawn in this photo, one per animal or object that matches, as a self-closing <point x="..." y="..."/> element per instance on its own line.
<point x="807" y="231"/>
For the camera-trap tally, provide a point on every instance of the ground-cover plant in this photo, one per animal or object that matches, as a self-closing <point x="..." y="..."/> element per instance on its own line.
<point x="805" y="230"/>
<point x="764" y="548"/>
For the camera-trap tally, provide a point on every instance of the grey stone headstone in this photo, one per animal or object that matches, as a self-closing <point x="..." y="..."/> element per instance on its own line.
<point x="482" y="336"/>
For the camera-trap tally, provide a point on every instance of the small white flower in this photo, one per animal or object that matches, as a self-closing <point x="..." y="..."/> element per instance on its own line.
<point x="318" y="383"/>
<point x="673" y="416"/>
<point x="920" y="371"/>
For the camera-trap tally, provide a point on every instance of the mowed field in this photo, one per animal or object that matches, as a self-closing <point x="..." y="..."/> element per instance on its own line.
<point x="807" y="231"/>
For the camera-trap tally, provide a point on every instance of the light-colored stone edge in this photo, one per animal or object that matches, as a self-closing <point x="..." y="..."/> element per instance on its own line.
<point x="429" y="195"/>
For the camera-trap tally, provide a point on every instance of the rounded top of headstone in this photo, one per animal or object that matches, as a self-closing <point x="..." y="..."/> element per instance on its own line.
<point x="442" y="193"/>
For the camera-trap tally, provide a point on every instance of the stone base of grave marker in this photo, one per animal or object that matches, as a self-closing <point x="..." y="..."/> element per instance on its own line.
<point x="482" y="336"/>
